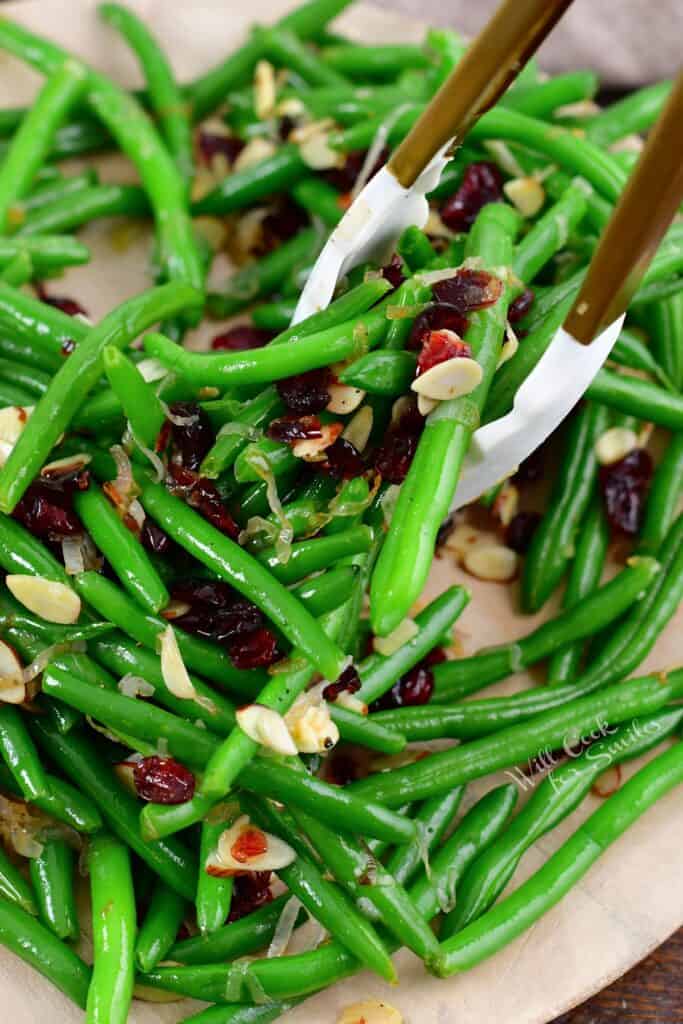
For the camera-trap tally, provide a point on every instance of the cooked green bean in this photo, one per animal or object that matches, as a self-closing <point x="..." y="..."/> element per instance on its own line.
<point x="14" y="888"/>
<point x="320" y="200"/>
<point x="159" y="928"/>
<point x="83" y="206"/>
<point x="639" y="398"/>
<point x="63" y="802"/>
<point x="663" y="497"/>
<point x="114" y="927"/>
<point x="214" y="895"/>
<point x="632" y="115"/>
<point x="52" y="874"/>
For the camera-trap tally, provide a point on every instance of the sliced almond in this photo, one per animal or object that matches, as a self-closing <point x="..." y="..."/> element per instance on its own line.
<point x="264" y="89"/>
<point x="173" y="671"/>
<point x="404" y="632"/>
<point x="492" y="562"/>
<point x="323" y="126"/>
<point x="615" y="444"/>
<point x="254" y="152"/>
<point x="462" y="538"/>
<point x="12" y="687"/>
<point x="313" y="449"/>
<point x="344" y="399"/>
<point x="425" y="405"/>
<point x="292" y="107"/>
<point x="526" y="194"/>
<point x="54" y="602"/>
<point x="317" y="153"/>
<point x="266" y="727"/>
<point x="506" y="505"/>
<point x="311" y="728"/>
<point x="450" y="379"/>
<point x="13" y="419"/>
<point x="125" y="773"/>
<point x="371" y="1011"/>
<point x="400" y="407"/>
<point x="244" y="848"/>
<point x="357" y="431"/>
<point x="509" y="346"/>
<point x="69" y="464"/>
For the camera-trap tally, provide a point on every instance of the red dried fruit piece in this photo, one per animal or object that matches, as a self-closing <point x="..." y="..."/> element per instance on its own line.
<point x="211" y="144"/>
<point x="206" y="498"/>
<point x="216" y="611"/>
<point x="290" y="429"/>
<point x="482" y="183"/>
<point x="342" y="460"/>
<point x="163" y="780"/>
<point x="307" y="392"/>
<point x="415" y="687"/>
<point x="193" y="438"/>
<point x="153" y="538"/>
<point x="250" y="843"/>
<point x="468" y="290"/>
<point x="250" y="891"/>
<point x="393" y="271"/>
<point x="254" y="650"/>
<point x="436" y="318"/>
<point x="394" y="456"/>
<point x="46" y="508"/>
<point x="521" y="530"/>
<point x="624" y="487"/>
<point x="521" y="306"/>
<point x="344" y="178"/>
<point x="241" y="338"/>
<point x="348" y="682"/>
<point x="438" y="347"/>
<point x="282" y="223"/>
<point x="68" y="306"/>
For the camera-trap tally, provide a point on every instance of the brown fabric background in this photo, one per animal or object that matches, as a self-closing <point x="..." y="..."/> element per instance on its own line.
<point x="626" y="41"/>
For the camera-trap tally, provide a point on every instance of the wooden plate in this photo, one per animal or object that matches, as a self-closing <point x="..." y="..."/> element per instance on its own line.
<point x="633" y="898"/>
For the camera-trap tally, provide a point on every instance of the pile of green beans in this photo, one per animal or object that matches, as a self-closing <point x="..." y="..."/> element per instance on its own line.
<point x="214" y="560"/>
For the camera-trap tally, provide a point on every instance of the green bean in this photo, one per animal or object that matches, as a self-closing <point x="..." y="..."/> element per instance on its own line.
<point x="214" y="895"/>
<point x="551" y="545"/>
<point x="83" y="206"/>
<point x="382" y="372"/>
<point x="251" y="579"/>
<point x="663" y="497"/>
<point x="543" y="99"/>
<point x="347" y="307"/>
<point x="113" y="929"/>
<point x="12" y="394"/>
<point x="584" y="577"/>
<point x="512" y="744"/>
<point x="263" y="276"/>
<point x="273" y="316"/>
<point x="20" y="755"/>
<point x="76" y="756"/>
<point x="634" y="114"/>
<point x="666" y="338"/>
<point x="550" y="232"/>
<point x="276" y="173"/>
<point x="558" y="795"/>
<point x="309" y="556"/>
<point x="660" y="289"/>
<point x="27" y="938"/>
<point x="325" y="592"/>
<point x="363" y="731"/>
<point x="140" y="403"/>
<point x="426" y="494"/>
<point x="159" y="928"/>
<point x="17" y="351"/>
<point x="52" y="874"/>
<point x="434" y="818"/>
<point x="415" y="248"/>
<point x="320" y="200"/>
<point x="630" y="351"/>
<point x="33" y="380"/>
<point x="21" y="553"/>
<point x="49" y="192"/>
<point x="47" y="253"/>
<point x="164" y="95"/>
<point x="33" y="138"/>
<point x="123" y="551"/>
<point x="286" y="50"/>
<point x="379" y="672"/>
<point x="14" y="887"/>
<point x="387" y="61"/>
<point x="636" y="397"/>
<point x="77" y="376"/>
<point x="63" y="802"/>
<point x="230" y="440"/>
<point x="455" y="679"/>
<point x="324" y="900"/>
<point x="553" y="880"/>
<point x="239" y="938"/>
<point x="19" y="270"/>
<point x="239" y="1014"/>
<point x="42" y="326"/>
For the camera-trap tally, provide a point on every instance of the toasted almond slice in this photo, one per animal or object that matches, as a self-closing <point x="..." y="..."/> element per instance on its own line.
<point x="527" y="194"/>
<point x="311" y="728"/>
<point x="173" y="670"/>
<point x="371" y="1011"/>
<point x="492" y="562"/>
<point x="317" y="153"/>
<point x="69" y="464"/>
<point x="404" y="632"/>
<point x="254" y="152"/>
<point x="425" y="405"/>
<point x="264" y="89"/>
<point x="54" y="602"/>
<point x="13" y="419"/>
<point x="344" y="398"/>
<point x="450" y="379"/>
<point x="267" y="727"/>
<point x="462" y="538"/>
<point x="313" y="449"/>
<point x="614" y="444"/>
<point x="12" y="687"/>
<point x="506" y="504"/>
<point x="357" y="431"/>
<point x="244" y="848"/>
<point x="509" y="346"/>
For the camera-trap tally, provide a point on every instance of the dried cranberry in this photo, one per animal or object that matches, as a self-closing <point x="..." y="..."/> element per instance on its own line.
<point x="342" y="460"/>
<point x="393" y="271"/>
<point x="193" y="438"/>
<point x="482" y="183"/>
<point x="521" y="306"/>
<point x="154" y="539"/>
<point x="438" y="346"/>
<point x="214" y="593"/>
<point x="415" y="687"/>
<point x="394" y="456"/>
<point x="68" y="306"/>
<point x="211" y="144"/>
<point x="250" y="891"/>
<point x="290" y="429"/>
<point x="520" y="531"/>
<point x="624" y="487"/>
<point x="163" y="780"/>
<point x="241" y="338"/>
<point x="468" y="290"/>
<point x="436" y="318"/>
<point x="254" y="650"/>
<point x="307" y="392"/>
<point x="46" y="508"/>
<point x="348" y="682"/>
<point x="344" y="178"/>
<point x="206" y="498"/>
<point x="281" y="223"/>
<point x="216" y="611"/>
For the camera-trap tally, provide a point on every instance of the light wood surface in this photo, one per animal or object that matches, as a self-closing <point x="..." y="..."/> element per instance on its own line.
<point x="633" y="898"/>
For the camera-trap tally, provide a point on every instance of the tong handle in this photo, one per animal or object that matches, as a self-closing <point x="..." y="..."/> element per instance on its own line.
<point x="490" y="64"/>
<point x="645" y="210"/>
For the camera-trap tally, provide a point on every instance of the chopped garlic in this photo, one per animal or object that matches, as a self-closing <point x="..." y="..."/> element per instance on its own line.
<point x="491" y="562"/>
